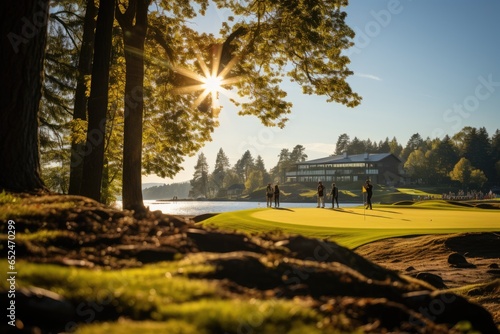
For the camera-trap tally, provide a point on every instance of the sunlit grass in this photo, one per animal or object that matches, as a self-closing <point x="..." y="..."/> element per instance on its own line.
<point x="348" y="193"/>
<point x="416" y="192"/>
<point x="353" y="227"/>
<point x="169" y="300"/>
<point x="153" y="282"/>
<point x="141" y="327"/>
<point x="308" y="193"/>
<point x="12" y="206"/>
<point x="40" y="236"/>
<point x="224" y="316"/>
<point x="7" y="198"/>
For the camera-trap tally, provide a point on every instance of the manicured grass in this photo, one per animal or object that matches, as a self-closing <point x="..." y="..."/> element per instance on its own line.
<point x="168" y="299"/>
<point x="353" y="227"/>
<point x="416" y="192"/>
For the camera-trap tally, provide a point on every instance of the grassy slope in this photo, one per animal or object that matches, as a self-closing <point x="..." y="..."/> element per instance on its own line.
<point x="178" y="303"/>
<point x="163" y="292"/>
<point x="353" y="227"/>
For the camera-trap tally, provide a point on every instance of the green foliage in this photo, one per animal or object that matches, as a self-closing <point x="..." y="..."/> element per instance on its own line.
<point x="255" y="180"/>
<point x="477" y="178"/>
<point x="416" y="164"/>
<point x="462" y="171"/>
<point x="173" y="129"/>
<point x="303" y="39"/>
<point x="78" y="130"/>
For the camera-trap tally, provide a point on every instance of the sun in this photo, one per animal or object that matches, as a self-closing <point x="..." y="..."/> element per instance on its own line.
<point x="211" y="82"/>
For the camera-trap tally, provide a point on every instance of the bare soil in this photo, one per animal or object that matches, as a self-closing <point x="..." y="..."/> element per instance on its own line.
<point x="416" y="255"/>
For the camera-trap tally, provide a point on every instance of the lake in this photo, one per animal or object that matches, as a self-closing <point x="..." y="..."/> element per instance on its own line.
<point x="195" y="208"/>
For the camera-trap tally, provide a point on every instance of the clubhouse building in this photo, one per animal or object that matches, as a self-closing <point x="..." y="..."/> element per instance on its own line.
<point x="381" y="168"/>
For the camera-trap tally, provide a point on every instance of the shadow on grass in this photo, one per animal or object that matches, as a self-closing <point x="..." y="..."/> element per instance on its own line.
<point x="362" y="214"/>
<point x="286" y="209"/>
<point x="388" y="211"/>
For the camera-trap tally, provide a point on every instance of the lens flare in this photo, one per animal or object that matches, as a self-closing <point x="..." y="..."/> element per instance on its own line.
<point x="211" y="82"/>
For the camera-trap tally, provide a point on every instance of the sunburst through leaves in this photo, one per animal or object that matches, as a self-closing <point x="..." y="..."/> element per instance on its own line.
<point x="211" y="82"/>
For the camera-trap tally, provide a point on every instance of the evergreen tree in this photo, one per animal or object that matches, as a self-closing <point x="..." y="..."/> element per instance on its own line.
<point x="475" y="145"/>
<point x="343" y="143"/>
<point x="441" y="158"/>
<point x="370" y="146"/>
<point x="199" y="183"/>
<point x="220" y="171"/>
<point x="56" y="107"/>
<point x="278" y="173"/>
<point x="259" y="177"/>
<point x="244" y="166"/>
<point x="298" y="154"/>
<point x="356" y="147"/>
<point x="495" y="155"/>
<point x="395" y="148"/>
<point x="383" y="146"/>
<point x="414" y="143"/>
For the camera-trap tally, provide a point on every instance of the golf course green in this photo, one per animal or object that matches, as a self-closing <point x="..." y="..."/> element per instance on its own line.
<point x="355" y="226"/>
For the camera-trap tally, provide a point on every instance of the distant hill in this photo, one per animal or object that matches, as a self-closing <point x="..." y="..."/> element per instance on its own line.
<point x="167" y="191"/>
<point x="151" y="184"/>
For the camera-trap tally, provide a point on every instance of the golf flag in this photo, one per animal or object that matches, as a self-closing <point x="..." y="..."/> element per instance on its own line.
<point x="363" y="189"/>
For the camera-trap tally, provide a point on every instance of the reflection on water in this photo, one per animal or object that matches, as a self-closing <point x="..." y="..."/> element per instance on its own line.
<point x="194" y="208"/>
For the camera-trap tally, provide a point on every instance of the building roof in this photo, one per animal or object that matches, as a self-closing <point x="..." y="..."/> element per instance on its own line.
<point x="345" y="158"/>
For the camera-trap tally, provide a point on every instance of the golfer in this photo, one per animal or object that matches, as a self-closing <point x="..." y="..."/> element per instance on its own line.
<point x="269" y="195"/>
<point x="276" y="196"/>
<point x="369" y="193"/>
<point x="335" y="195"/>
<point x="321" y="195"/>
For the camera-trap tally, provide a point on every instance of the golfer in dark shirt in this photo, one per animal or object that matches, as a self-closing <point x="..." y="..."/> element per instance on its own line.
<point x="369" y="193"/>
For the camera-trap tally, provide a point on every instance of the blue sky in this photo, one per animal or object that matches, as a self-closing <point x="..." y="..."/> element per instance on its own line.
<point x="430" y="67"/>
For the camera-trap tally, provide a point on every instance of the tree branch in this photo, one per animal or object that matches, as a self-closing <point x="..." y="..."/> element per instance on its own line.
<point x="159" y="38"/>
<point x="125" y="19"/>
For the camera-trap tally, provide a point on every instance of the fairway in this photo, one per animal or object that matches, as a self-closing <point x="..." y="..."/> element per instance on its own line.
<point x="353" y="227"/>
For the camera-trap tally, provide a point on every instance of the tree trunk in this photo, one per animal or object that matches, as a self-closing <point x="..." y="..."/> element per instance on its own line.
<point x="98" y="103"/>
<point x="23" y="34"/>
<point x="80" y="109"/>
<point x="132" y="141"/>
<point x="133" y="36"/>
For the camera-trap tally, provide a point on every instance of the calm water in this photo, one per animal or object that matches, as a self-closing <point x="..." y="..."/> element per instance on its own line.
<point x="195" y="208"/>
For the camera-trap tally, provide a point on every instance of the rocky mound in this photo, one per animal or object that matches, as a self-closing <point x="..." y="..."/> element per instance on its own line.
<point x="336" y="281"/>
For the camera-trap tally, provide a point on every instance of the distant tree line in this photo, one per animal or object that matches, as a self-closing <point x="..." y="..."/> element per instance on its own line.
<point x="167" y="191"/>
<point x="248" y="172"/>
<point x="470" y="158"/>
